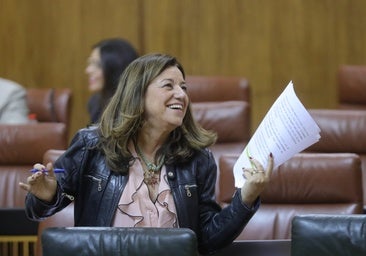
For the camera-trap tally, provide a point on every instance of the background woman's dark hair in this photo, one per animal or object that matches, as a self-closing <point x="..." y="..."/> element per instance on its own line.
<point x="115" y="54"/>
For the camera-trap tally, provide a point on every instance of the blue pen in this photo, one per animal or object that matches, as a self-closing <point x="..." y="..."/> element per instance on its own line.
<point x="56" y="170"/>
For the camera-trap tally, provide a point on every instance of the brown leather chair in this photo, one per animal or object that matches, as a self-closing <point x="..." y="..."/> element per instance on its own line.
<point x="308" y="183"/>
<point x="50" y="104"/>
<point x="218" y="88"/>
<point x="342" y="131"/>
<point x="352" y="87"/>
<point x="351" y="130"/>
<point x="21" y="147"/>
<point x="222" y="104"/>
<point x="24" y="145"/>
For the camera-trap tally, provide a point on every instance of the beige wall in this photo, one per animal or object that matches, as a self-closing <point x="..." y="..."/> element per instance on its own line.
<point x="45" y="43"/>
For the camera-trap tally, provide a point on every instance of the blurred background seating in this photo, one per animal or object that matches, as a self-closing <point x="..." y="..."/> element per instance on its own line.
<point x="342" y="131"/>
<point x="22" y="146"/>
<point x="352" y="86"/>
<point x="308" y="183"/>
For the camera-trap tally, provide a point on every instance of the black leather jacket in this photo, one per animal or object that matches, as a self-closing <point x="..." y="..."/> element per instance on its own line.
<point x="97" y="190"/>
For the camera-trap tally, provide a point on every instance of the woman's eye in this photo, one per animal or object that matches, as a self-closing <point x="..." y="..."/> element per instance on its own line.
<point x="184" y="87"/>
<point x="168" y="85"/>
<point x="94" y="63"/>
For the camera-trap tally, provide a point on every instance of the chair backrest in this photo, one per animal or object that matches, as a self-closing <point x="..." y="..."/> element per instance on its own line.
<point x="229" y="119"/>
<point x="26" y="144"/>
<point x="342" y="130"/>
<point x="222" y="104"/>
<point x="218" y="88"/>
<point x="50" y="104"/>
<point x="352" y="96"/>
<point x="119" y="241"/>
<point x="352" y="87"/>
<point x="21" y="147"/>
<point x="328" y="235"/>
<point x="306" y="183"/>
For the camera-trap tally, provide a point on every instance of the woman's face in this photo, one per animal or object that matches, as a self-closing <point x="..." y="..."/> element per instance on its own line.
<point x="166" y="100"/>
<point x="94" y="71"/>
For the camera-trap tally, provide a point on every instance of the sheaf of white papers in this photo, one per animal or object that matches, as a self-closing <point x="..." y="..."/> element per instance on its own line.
<point x="286" y="129"/>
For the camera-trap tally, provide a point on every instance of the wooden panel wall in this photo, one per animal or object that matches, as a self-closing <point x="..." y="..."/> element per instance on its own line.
<point x="45" y="43"/>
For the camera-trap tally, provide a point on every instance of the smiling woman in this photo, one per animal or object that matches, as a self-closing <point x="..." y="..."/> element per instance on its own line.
<point x="169" y="87"/>
<point x="146" y="164"/>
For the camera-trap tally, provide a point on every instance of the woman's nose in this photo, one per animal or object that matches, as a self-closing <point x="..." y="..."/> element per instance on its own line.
<point x="179" y="92"/>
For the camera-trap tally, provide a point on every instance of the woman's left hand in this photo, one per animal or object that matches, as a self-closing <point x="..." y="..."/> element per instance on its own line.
<point x="256" y="180"/>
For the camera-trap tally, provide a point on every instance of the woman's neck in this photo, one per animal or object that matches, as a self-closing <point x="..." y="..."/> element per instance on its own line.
<point x="150" y="142"/>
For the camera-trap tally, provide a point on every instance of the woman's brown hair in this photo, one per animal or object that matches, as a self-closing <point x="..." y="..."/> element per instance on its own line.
<point x="123" y="117"/>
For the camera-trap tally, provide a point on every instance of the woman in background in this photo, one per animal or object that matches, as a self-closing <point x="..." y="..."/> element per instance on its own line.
<point x="107" y="61"/>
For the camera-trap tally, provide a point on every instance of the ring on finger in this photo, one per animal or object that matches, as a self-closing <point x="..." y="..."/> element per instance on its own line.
<point x="252" y="172"/>
<point x="255" y="172"/>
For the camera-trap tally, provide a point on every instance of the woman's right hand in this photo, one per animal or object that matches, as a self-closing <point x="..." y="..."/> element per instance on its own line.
<point x="42" y="184"/>
<point x="256" y="180"/>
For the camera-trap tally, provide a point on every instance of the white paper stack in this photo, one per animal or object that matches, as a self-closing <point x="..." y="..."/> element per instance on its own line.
<point x="286" y="130"/>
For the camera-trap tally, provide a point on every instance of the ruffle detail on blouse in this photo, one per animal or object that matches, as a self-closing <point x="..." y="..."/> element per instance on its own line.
<point x="135" y="208"/>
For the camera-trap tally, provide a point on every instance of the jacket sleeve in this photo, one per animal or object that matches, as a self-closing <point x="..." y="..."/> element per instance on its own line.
<point x="219" y="227"/>
<point x="72" y="161"/>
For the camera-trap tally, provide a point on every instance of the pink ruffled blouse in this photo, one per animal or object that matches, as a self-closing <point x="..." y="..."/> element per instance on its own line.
<point x="135" y="208"/>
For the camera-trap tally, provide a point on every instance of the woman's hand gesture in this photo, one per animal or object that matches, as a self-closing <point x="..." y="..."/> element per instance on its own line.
<point x="256" y="180"/>
<point x="42" y="183"/>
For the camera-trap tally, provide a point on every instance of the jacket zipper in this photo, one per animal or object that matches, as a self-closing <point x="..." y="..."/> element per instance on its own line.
<point x="68" y="196"/>
<point x="188" y="191"/>
<point x="97" y="180"/>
